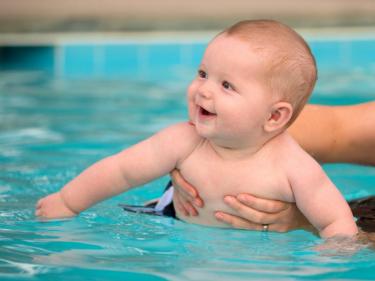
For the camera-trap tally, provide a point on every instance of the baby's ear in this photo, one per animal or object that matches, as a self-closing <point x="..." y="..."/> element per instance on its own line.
<point x="280" y="114"/>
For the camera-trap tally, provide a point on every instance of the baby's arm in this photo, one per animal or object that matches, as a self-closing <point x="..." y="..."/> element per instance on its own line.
<point x="318" y="198"/>
<point x="141" y="163"/>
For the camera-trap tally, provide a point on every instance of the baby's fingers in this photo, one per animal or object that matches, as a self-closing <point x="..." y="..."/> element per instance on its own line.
<point x="39" y="210"/>
<point x="39" y="204"/>
<point x="38" y="213"/>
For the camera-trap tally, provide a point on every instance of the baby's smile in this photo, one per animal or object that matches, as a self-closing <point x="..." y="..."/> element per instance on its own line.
<point x="205" y="113"/>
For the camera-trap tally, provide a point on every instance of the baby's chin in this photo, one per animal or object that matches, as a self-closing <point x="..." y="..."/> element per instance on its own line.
<point x="202" y="131"/>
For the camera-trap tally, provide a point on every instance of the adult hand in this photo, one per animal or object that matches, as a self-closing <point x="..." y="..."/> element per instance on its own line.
<point x="251" y="212"/>
<point x="187" y="199"/>
<point x="255" y="213"/>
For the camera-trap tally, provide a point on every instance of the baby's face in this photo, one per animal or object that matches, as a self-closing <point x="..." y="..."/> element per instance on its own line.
<point x="228" y="100"/>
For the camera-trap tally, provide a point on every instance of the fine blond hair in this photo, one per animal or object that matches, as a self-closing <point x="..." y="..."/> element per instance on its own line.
<point x="291" y="70"/>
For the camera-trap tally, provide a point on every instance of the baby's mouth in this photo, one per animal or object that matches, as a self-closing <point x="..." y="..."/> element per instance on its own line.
<point x="205" y="112"/>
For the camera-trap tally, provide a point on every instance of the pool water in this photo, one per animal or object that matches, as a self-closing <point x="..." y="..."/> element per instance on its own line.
<point x="53" y="127"/>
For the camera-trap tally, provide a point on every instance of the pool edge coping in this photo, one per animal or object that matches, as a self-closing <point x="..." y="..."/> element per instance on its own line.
<point x="165" y="37"/>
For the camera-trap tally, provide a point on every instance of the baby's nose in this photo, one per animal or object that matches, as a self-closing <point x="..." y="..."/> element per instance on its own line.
<point x="205" y="90"/>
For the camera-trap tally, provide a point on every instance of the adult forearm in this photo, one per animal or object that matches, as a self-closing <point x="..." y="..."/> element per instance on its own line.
<point x="337" y="133"/>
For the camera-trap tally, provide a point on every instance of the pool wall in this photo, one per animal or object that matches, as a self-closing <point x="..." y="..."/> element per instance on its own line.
<point x="126" y="56"/>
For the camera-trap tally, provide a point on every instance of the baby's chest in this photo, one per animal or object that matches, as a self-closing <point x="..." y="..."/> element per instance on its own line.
<point x="215" y="178"/>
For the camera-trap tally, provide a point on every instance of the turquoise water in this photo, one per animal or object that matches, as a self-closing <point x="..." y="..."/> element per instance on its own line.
<point x="53" y="127"/>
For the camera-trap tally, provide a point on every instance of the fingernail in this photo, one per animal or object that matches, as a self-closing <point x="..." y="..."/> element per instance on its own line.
<point x="192" y="194"/>
<point x="219" y="215"/>
<point x="245" y="198"/>
<point x="228" y="199"/>
<point x="198" y="202"/>
<point x="242" y="197"/>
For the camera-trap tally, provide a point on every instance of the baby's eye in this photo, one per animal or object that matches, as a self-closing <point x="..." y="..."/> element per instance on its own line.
<point x="227" y="85"/>
<point x="202" y="74"/>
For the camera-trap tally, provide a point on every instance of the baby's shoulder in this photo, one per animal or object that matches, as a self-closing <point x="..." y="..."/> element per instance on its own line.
<point x="181" y="131"/>
<point x="289" y="151"/>
<point x="294" y="160"/>
<point x="181" y="137"/>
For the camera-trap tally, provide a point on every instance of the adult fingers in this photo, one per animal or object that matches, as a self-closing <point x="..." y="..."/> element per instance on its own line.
<point x="190" y="208"/>
<point x="248" y="213"/>
<point x="186" y="204"/>
<point x="180" y="183"/>
<point x="240" y="223"/>
<point x="237" y="222"/>
<point x="180" y="207"/>
<point x="183" y="193"/>
<point x="185" y="189"/>
<point x="262" y="205"/>
<point x="185" y="197"/>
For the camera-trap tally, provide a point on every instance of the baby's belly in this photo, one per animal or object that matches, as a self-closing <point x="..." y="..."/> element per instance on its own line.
<point x="206" y="217"/>
<point x="206" y="214"/>
<point x="213" y="197"/>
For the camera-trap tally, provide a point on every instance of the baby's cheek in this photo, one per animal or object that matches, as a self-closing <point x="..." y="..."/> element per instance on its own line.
<point x="192" y="111"/>
<point x="191" y="93"/>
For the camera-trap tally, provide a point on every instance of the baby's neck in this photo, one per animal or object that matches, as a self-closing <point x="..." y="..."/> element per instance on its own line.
<point x="238" y="151"/>
<point x="234" y="152"/>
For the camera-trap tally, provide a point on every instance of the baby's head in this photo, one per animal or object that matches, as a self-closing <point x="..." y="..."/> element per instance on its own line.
<point x="290" y="67"/>
<point x="253" y="81"/>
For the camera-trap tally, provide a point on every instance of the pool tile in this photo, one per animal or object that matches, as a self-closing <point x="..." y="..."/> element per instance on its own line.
<point x="363" y="53"/>
<point x="78" y="60"/>
<point x="27" y="58"/>
<point x="160" y="60"/>
<point x="120" y="59"/>
<point x="327" y="55"/>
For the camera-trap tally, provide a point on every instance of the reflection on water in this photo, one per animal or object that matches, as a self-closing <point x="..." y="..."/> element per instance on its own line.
<point x="51" y="129"/>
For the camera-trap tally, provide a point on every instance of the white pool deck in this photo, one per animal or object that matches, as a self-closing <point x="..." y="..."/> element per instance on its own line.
<point x="33" y="16"/>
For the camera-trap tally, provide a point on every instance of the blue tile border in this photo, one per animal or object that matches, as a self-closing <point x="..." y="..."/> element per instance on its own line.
<point x="116" y="60"/>
<point x="27" y="58"/>
<point x="134" y="59"/>
<point x="344" y="53"/>
<point x="78" y="60"/>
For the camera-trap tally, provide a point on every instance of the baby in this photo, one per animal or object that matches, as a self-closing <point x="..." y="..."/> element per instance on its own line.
<point x="253" y="81"/>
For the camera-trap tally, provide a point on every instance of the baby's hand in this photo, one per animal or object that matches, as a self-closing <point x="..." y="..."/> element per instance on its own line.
<point x="52" y="207"/>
